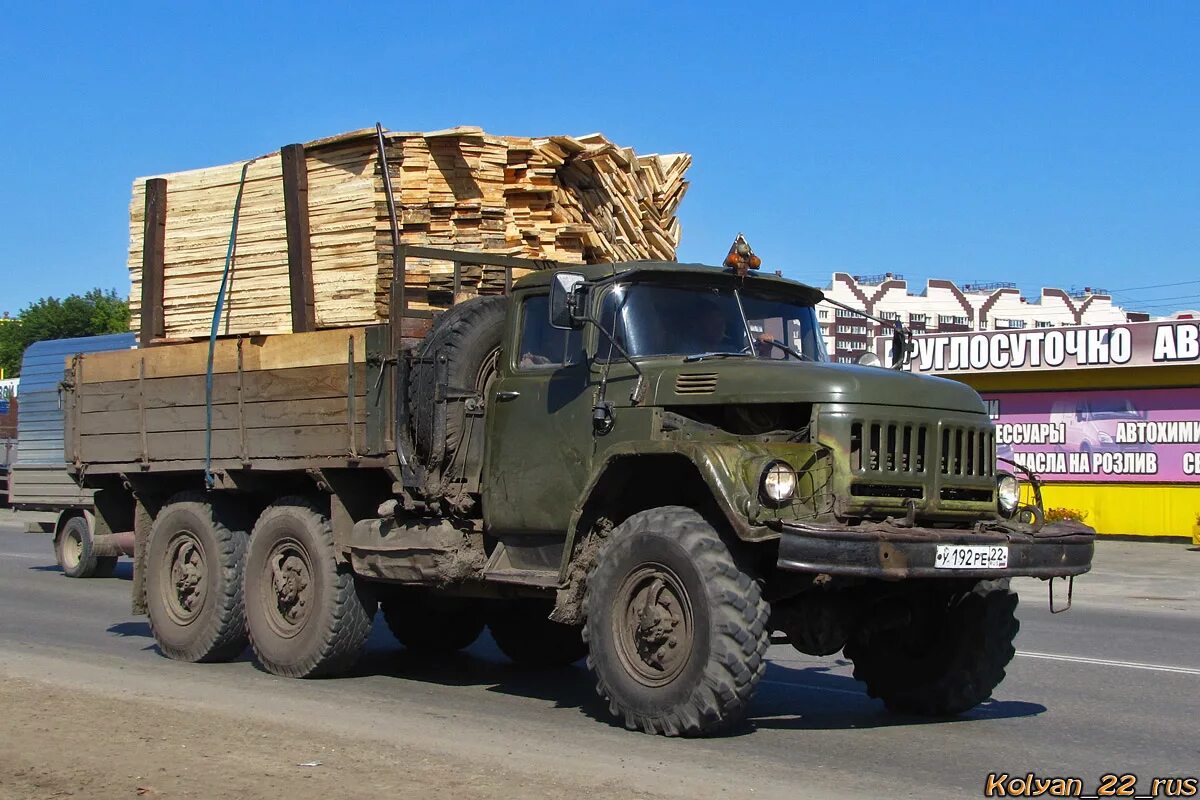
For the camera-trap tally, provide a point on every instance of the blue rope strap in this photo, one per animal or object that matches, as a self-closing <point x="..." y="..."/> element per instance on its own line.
<point x="209" y="480"/>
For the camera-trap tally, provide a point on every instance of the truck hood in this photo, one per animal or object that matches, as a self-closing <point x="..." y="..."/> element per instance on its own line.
<point x="738" y="380"/>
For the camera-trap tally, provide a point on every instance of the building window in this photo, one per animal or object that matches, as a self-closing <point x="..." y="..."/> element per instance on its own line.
<point x="1009" y="323"/>
<point x="1041" y="323"/>
<point x="917" y="319"/>
<point x="859" y="330"/>
<point x="889" y="315"/>
<point x="824" y="313"/>
<point x="949" y="319"/>
<point x="841" y="312"/>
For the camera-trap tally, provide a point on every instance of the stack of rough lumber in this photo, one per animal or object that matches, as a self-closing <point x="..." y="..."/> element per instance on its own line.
<point x="568" y="199"/>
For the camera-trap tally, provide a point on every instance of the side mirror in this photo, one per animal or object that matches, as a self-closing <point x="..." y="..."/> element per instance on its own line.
<point x="901" y="347"/>
<point x="565" y="296"/>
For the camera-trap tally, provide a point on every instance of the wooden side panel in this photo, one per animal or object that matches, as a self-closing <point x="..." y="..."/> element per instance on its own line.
<point x="291" y="396"/>
<point x="282" y="351"/>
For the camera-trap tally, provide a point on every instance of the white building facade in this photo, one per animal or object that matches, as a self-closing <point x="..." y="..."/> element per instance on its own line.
<point x="943" y="306"/>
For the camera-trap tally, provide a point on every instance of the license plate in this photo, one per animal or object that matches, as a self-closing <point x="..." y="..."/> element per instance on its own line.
<point x="971" y="556"/>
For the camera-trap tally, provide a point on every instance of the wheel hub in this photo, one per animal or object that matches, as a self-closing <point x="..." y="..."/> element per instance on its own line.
<point x="654" y="625"/>
<point x="288" y="594"/>
<point x="290" y="577"/>
<point x="72" y="550"/>
<point x="188" y="585"/>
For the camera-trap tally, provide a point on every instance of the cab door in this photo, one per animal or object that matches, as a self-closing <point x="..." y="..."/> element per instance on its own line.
<point x="539" y="433"/>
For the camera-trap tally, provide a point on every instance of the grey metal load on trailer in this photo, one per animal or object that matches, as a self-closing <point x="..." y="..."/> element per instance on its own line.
<point x="39" y="479"/>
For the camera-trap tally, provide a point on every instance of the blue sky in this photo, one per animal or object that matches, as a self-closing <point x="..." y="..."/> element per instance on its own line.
<point x="1044" y="143"/>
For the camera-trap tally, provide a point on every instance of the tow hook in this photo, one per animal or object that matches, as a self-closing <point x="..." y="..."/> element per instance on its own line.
<point x="1070" y="592"/>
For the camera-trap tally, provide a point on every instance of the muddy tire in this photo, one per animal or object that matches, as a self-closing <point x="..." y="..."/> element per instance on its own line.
<point x="948" y="660"/>
<point x="73" y="552"/>
<point x="468" y="337"/>
<point x="677" y="634"/>
<point x="525" y="633"/>
<point x="194" y="563"/>
<point x="307" y="616"/>
<point x="426" y="623"/>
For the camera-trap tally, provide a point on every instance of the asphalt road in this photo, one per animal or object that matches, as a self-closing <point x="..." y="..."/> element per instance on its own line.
<point x="1111" y="686"/>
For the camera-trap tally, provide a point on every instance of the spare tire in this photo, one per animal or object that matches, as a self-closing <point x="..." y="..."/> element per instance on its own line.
<point x="468" y="337"/>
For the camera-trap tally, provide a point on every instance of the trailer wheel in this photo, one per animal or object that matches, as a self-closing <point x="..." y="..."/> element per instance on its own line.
<point x="468" y="336"/>
<point x="307" y="615"/>
<point x="525" y="633"/>
<point x="73" y="551"/>
<point x="194" y="567"/>
<point x="427" y="623"/>
<point x="677" y="634"/>
<point x="949" y="659"/>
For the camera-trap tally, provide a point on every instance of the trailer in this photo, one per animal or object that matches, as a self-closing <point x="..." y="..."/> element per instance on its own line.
<point x="38" y="479"/>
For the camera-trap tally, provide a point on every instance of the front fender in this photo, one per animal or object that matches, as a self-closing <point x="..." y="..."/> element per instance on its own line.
<point x="730" y="471"/>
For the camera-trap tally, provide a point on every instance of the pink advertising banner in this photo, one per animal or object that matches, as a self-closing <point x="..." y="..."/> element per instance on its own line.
<point x="1134" y="344"/>
<point x="1137" y="435"/>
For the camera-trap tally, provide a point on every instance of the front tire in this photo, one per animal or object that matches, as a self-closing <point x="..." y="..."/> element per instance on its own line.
<point x="949" y="659"/>
<point x="194" y="565"/>
<point x="677" y="634"/>
<point x="306" y="614"/>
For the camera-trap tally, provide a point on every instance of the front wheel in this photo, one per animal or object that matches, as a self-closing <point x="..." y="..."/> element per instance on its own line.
<point x="950" y="656"/>
<point x="677" y="634"/>
<point x="306" y="614"/>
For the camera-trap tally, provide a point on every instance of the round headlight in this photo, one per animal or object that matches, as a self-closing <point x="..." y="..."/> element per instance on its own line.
<point x="1008" y="494"/>
<point x="778" y="483"/>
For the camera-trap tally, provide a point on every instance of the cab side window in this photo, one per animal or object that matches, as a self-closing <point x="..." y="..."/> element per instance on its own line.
<point x="542" y="346"/>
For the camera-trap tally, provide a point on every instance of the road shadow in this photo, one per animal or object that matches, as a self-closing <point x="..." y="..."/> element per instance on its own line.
<point x="789" y="698"/>
<point x="483" y="665"/>
<point x="122" y="571"/>
<point x="815" y="698"/>
<point x="131" y="628"/>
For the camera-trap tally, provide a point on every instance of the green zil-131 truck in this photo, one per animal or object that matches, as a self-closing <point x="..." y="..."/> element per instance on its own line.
<point x="652" y="465"/>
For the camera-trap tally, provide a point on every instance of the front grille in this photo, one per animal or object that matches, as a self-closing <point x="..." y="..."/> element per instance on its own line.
<point x="696" y="383"/>
<point x="969" y="495"/>
<point x="886" y="490"/>
<point x="968" y="452"/>
<point x="888" y="447"/>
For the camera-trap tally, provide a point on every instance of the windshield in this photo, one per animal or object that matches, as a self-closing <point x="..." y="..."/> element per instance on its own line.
<point x="658" y="319"/>
<point x="1113" y="408"/>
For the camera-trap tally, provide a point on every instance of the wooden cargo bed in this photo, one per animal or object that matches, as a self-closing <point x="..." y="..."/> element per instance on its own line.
<point x="284" y="401"/>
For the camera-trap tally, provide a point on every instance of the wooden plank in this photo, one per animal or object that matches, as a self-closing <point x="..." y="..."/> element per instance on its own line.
<point x="154" y="235"/>
<point x="303" y="383"/>
<point x="265" y="414"/>
<point x="281" y="351"/>
<point x="299" y="243"/>
<point x="313" y="441"/>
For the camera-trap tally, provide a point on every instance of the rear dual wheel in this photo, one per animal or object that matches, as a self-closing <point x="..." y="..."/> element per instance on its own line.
<point x="194" y="567"/>
<point x="211" y="587"/>
<point x="307" y="616"/>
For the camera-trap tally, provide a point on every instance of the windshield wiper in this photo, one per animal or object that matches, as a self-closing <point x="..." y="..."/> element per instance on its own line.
<point x="796" y="354"/>
<point x="714" y="354"/>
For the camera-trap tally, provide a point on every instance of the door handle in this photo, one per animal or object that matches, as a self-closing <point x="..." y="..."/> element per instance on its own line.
<point x="507" y="395"/>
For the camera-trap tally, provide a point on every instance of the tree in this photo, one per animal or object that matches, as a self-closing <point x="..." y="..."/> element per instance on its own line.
<point x="94" y="313"/>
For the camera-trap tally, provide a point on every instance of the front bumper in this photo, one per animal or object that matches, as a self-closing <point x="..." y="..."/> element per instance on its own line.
<point x="893" y="551"/>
